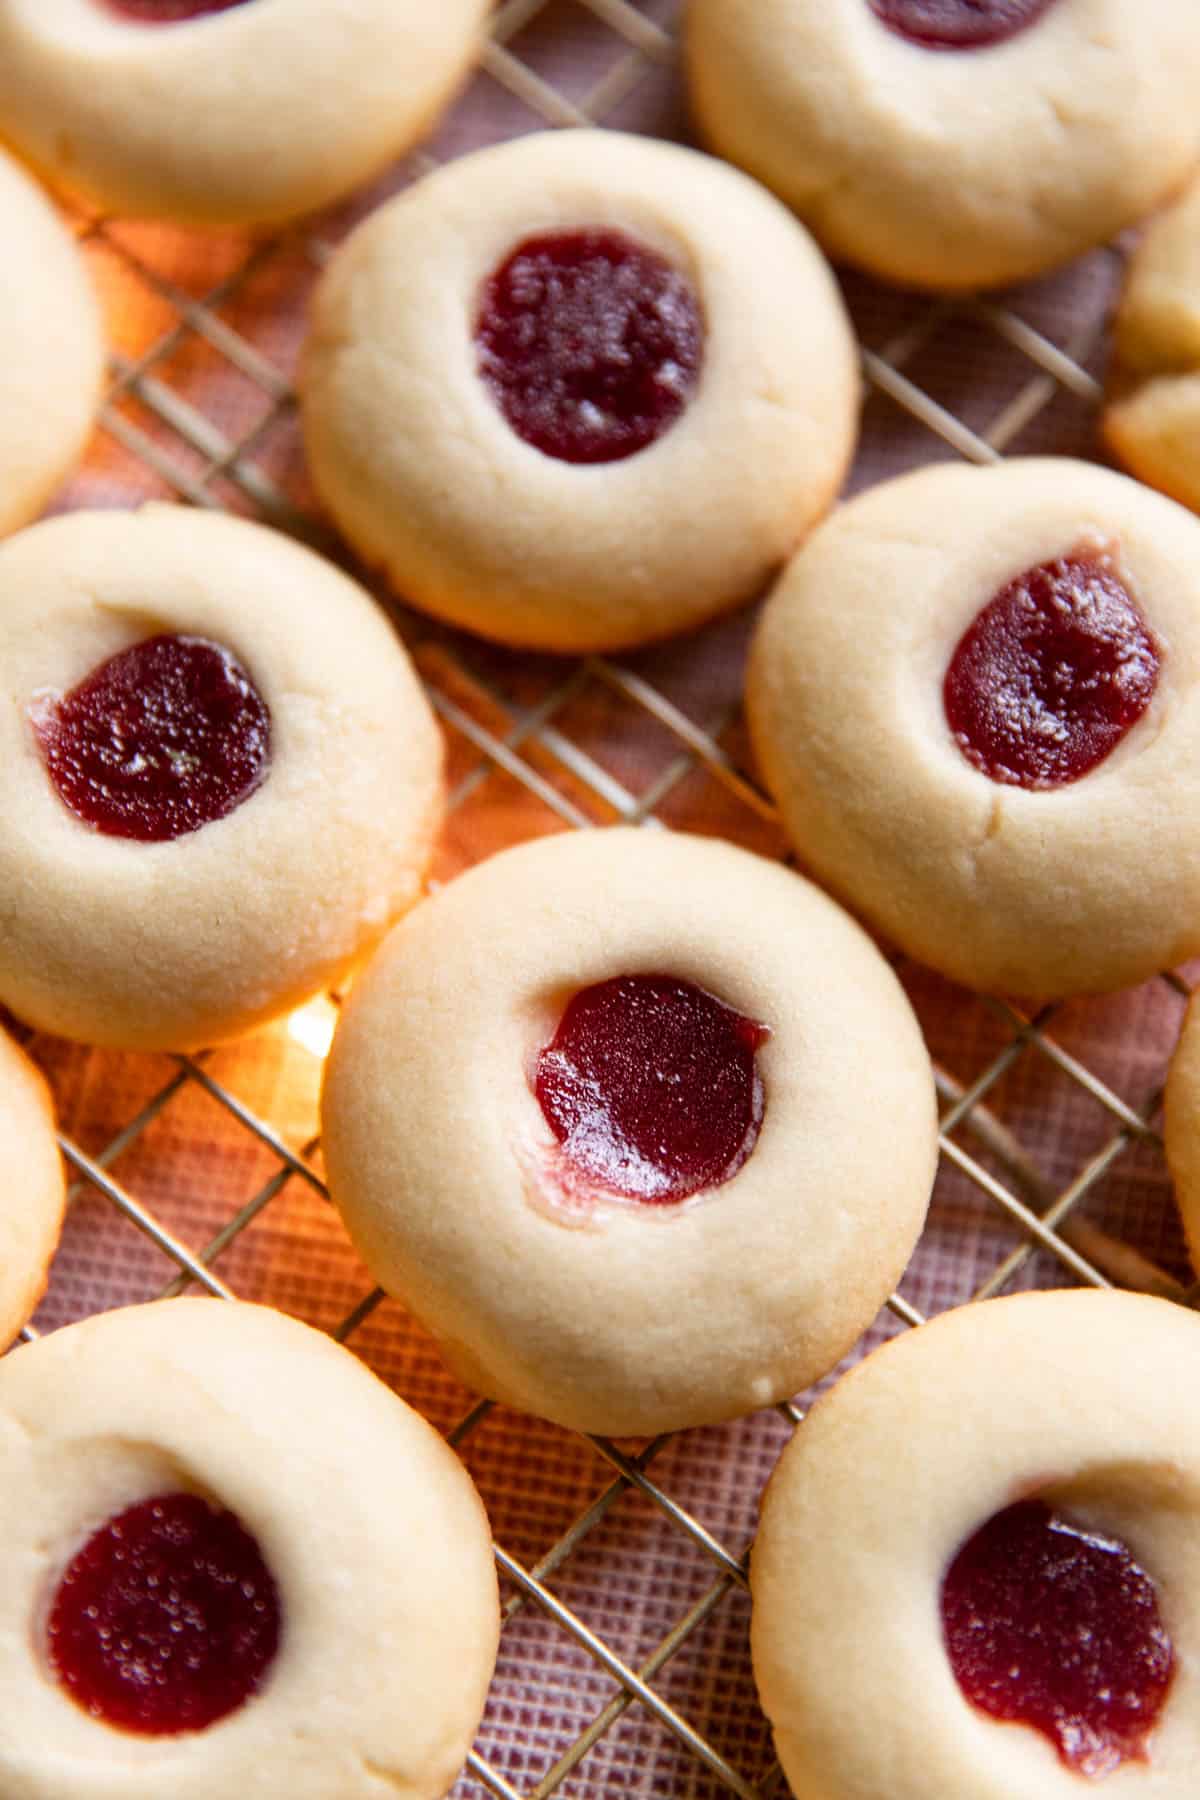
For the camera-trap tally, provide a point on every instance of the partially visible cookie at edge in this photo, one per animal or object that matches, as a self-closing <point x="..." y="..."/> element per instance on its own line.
<point x="331" y="1636"/>
<point x="1181" y="1126"/>
<point x="33" y="1188"/>
<point x="51" y="349"/>
<point x="939" y="147"/>
<point x="1043" y="1420"/>
<point x="1152" y="416"/>
<point x="223" y="778"/>
<point x="251" y="113"/>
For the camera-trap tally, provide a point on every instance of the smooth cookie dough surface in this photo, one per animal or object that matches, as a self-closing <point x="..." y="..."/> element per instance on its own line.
<point x="1181" y="1127"/>
<point x="170" y="944"/>
<point x="51" y="350"/>
<point x="424" y="474"/>
<point x="1081" y="887"/>
<point x="1082" y="1399"/>
<point x="952" y="168"/>
<point x="1152" y="420"/>
<point x="257" y="113"/>
<point x="33" y="1192"/>
<point x="369" y="1524"/>
<point x="615" y="1316"/>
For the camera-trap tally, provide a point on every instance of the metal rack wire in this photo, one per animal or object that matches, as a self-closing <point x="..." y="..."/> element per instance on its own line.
<point x="623" y="1663"/>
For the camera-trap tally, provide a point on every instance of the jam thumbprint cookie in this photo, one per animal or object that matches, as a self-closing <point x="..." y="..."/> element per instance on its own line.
<point x="222" y="777"/>
<point x="1152" y="420"/>
<point x="225" y="112"/>
<point x="976" y="697"/>
<point x="33" y="1192"/>
<point x="639" y="1125"/>
<point x="952" y="143"/>
<point x="977" y="1574"/>
<point x="579" y="391"/>
<point x="232" y="1564"/>
<point x="51" y="350"/>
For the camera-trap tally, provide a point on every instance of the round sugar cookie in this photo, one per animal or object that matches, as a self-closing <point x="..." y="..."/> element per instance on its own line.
<point x="234" y="1566"/>
<point x="225" y="112"/>
<point x="977" y="1573"/>
<point x="579" y="391"/>
<point x="51" y="350"/>
<point x="222" y="777"/>
<point x="975" y="696"/>
<point x="952" y="143"/>
<point x="33" y="1193"/>
<point x="1152" y="419"/>
<point x="640" y="1126"/>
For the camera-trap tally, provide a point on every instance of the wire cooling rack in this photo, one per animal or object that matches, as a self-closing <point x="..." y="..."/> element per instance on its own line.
<point x="624" y="1664"/>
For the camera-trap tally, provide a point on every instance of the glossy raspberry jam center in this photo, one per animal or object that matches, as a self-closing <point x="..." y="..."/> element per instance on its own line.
<point x="166" y="1620"/>
<point x="159" y="740"/>
<point x="958" y="24"/>
<point x="1052" y="673"/>
<point x="1054" y="1627"/>
<point x="168" y="12"/>
<point x="651" y="1087"/>
<point x="590" y="344"/>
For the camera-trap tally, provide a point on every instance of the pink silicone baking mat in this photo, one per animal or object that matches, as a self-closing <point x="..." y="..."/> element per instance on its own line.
<point x="624" y="1663"/>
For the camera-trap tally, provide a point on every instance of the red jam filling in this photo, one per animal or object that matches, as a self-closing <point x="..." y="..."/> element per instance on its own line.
<point x="958" y="24"/>
<point x="1054" y="1627"/>
<point x="168" y="12"/>
<point x="1052" y="673"/>
<point x="166" y="1620"/>
<point x="651" y="1087"/>
<point x="161" y="739"/>
<point x="590" y="344"/>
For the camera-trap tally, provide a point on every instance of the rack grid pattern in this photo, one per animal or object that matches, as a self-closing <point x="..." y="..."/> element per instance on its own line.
<point x="624" y="1664"/>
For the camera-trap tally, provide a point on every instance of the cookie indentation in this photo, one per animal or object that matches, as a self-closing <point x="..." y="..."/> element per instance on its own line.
<point x="1058" y="1628"/>
<point x="161" y="739"/>
<point x="168" y="12"/>
<point x="652" y="1089"/>
<point x="591" y="344"/>
<point x="1051" y="674"/>
<point x="958" y="24"/>
<point x="167" y="1619"/>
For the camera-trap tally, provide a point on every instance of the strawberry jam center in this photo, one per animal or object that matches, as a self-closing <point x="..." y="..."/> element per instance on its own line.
<point x="1057" y="1628"/>
<point x="590" y="344"/>
<point x="166" y="1620"/>
<point x="1052" y="673"/>
<point x="169" y="12"/>
<point x="651" y="1087"/>
<point x="159" y="740"/>
<point x="958" y="24"/>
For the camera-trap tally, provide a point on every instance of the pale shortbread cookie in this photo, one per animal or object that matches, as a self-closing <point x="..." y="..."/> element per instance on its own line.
<point x="32" y="1190"/>
<point x="420" y="468"/>
<point x="1084" y="1399"/>
<point x="368" y="1522"/>
<point x="51" y="350"/>
<point x="952" y="168"/>
<point x="178" y="943"/>
<point x="1152" y="420"/>
<point x="257" y="113"/>
<point x="1181" y="1127"/>
<point x="632" y="1319"/>
<point x="1083" y="887"/>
